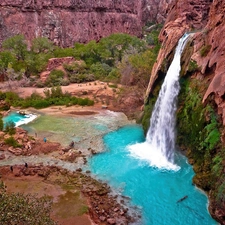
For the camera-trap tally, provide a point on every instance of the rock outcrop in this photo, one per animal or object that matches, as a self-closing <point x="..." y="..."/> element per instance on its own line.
<point x="67" y="22"/>
<point x="183" y="16"/>
<point x="205" y="18"/>
<point x="208" y="30"/>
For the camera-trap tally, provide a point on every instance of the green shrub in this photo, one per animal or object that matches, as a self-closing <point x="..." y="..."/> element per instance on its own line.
<point x="76" y="67"/>
<point x="36" y="63"/>
<point x="17" y="208"/>
<point x="113" y="85"/>
<point x="35" y="96"/>
<point x="54" y="92"/>
<point x="2" y="95"/>
<point x="81" y="78"/>
<point x="10" y="127"/>
<point x="205" y="50"/>
<point x="63" y="52"/>
<point x="55" y="78"/>
<point x="100" y="70"/>
<point x="19" y="66"/>
<point x="12" y="98"/>
<point x="42" y="44"/>
<point x="40" y="104"/>
<point x="1" y="124"/>
<point x="12" y="142"/>
<point x="193" y="66"/>
<point x="65" y="82"/>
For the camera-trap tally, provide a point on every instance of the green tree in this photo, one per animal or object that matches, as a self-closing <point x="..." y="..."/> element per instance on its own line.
<point x="100" y="70"/>
<point x="42" y="44"/>
<point x="36" y="63"/>
<point x="6" y="58"/>
<point x="137" y="68"/>
<point x="55" y="78"/>
<point x="113" y="47"/>
<point x="88" y="52"/>
<point x="63" y="52"/>
<point x="17" y="45"/>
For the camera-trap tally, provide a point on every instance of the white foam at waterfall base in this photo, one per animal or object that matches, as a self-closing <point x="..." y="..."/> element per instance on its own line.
<point x="27" y="119"/>
<point x="149" y="154"/>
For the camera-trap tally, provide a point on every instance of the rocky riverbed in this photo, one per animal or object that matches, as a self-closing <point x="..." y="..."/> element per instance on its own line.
<point x="90" y="200"/>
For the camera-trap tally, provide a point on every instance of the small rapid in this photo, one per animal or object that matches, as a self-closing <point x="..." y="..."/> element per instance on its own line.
<point x="19" y="119"/>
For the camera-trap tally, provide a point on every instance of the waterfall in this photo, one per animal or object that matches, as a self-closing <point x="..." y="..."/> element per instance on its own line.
<point x="162" y="133"/>
<point x="158" y="149"/>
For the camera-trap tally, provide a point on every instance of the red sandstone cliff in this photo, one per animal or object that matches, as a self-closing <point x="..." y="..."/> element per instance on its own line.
<point x="184" y="15"/>
<point x="205" y="18"/>
<point x="69" y="21"/>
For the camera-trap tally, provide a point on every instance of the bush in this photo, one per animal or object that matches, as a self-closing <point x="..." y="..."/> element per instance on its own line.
<point x="39" y="104"/>
<point x="205" y="50"/>
<point x="1" y="123"/>
<point x="10" y="128"/>
<point x="65" y="82"/>
<point x="63" y="52"/>
<point x="55" y="78"/>
<point x="81" y="78"/>
<point x="12" y="98"/>
<point x="76" y="67"/>
<point x="2" y="95"/>
<point x="100" y="70"/>
<point x="12" y="142"/>
<point x="16" y="208"/>
<point x="193" y="66"/>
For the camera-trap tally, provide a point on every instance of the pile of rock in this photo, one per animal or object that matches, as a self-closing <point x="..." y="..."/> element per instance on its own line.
<point x="104" y="207"/>
<point x="25" y="145"/>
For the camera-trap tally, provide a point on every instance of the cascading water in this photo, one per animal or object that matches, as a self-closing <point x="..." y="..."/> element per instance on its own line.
<point x="161" y="135"/>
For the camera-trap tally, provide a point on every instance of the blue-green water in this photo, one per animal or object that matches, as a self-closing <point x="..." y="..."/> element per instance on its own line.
<point x="154" y="191"/>
<point x="18" y="118"/>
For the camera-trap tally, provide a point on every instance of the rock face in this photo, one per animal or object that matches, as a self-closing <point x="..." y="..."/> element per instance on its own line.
<point x="69" y="21"/>
<point x="206" y="19"/>
<point x="183" y="16"/>
<point x="186" y="16"/>
<point x="213" y="62"/>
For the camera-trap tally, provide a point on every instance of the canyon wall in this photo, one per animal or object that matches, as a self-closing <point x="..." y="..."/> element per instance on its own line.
<point x="68" y="21"/>
<point x="184" y="16"/>
<point x="205" y="20"/>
